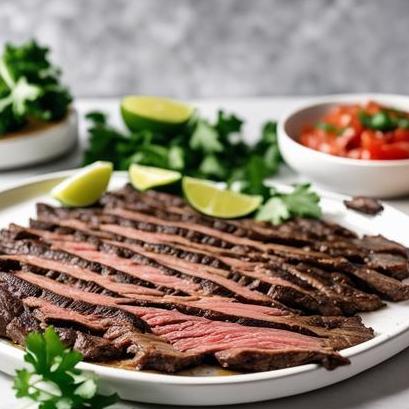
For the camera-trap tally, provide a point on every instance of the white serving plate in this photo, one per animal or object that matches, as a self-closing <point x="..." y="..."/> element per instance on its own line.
<point x="25" y="148"/>
<point x="391" y="323"/>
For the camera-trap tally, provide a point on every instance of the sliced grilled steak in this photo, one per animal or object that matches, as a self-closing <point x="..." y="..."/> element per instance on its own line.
<point x="118" y="329"/>
<point x="263" y="345"/>
<point x="333" y="239"/>
<point x="277" y="283"/>
<point x="183" y="332"/>
<point x="340" y="332"/>
<point x="215" y="290"/>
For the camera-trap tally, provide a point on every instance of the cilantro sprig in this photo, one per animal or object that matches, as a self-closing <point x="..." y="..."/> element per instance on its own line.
<point x="209" y="150"/>
<point x="52" y="380"/>
<point x="301" y="202"/>
<point x="385" y="120"/>
<point x="30" y="87"/>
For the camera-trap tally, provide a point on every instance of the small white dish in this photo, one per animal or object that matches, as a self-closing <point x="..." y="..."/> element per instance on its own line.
<point x="40" y="144"/>
<point x="375" y="178"/>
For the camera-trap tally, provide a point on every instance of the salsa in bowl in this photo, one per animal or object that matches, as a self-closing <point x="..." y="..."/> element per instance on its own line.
<point x="325" y="141"/>
<point x="370" y="131"/>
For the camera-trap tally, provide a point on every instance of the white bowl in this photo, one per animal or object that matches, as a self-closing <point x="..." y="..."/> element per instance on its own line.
<point x="40" y="144"/>
<point x="375" y="178"/>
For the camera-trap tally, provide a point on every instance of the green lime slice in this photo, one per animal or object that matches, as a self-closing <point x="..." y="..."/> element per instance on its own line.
<point x="85" y="187"/>
<point x="154" y="113"/>
<point x="148" y="177"/>
<point x="207" y="198"/>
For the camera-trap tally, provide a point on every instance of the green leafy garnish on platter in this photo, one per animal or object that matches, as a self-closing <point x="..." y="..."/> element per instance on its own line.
<point x="301" y="202"/>
<point x="30" y="88"/>
<point x="200" y="148"/>
<point x="52" y="379"/>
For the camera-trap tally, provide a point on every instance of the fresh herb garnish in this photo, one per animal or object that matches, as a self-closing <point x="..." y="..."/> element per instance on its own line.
<point x="207" y="150"/>
<point x="29" y="87"/>
<point x="52" y="380"/>
<point x="203" y="149"/>
<point x="384" y="120"/>
<point x="301" y="202"/>
<point x="327" y="127"/>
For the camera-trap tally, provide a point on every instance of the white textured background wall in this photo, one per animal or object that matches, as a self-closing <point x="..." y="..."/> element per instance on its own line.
<point x="200" y="48"/>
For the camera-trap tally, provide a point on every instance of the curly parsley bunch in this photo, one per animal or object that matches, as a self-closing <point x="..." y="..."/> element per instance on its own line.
<point x="30" y="87"/>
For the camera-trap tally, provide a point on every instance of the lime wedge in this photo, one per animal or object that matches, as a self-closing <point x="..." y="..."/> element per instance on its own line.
<point x="85" y="187"/>
<point x="154" y="113"/>
<point x="207" y="198"/>
<point x="148" y="177"/>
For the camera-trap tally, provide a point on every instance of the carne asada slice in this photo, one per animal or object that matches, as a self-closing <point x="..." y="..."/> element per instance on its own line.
<point x="332" y="239"/>
<point x="198" y="336"/>
<point x="320" y="284"/>
<point x="382" y="285"/>
<point x="306" y="300"/>
<point x="64" y="304"/>
<point x="146" y="351"/>
<point x="385" y="286"/>
<point x="365" y="205"/>
<point x="202" y="234"/>
<point x="125" y="271"/>
<point x="277" y="288"/>
<point x="107" y="283"/>
<point x="236" y="290"/>
<point x="341" y="332"/>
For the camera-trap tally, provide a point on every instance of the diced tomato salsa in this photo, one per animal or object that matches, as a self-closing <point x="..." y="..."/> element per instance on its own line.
<point x="369" y="131"/>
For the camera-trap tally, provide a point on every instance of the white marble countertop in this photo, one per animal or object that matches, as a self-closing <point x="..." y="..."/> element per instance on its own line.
<point x="382" y="387"/>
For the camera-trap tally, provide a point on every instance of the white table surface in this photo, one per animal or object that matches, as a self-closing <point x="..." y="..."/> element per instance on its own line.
<point x="383" y="387"/>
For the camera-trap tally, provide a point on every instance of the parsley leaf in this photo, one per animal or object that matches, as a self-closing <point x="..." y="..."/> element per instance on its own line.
<point x="301" y="202"/>
<point x="29" y="87"/>
<point x="274" y="211"/>
<point x="205" y="138"/>
<point x="52" y="379"/>
<point x="211" y="166"/>
<point x="227" y="125"/>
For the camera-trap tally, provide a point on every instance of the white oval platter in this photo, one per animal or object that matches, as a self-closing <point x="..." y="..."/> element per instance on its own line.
<point x="391" y="323"/>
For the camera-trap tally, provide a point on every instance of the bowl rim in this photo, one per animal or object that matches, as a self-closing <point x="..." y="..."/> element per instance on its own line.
<point x="334" y="99"/>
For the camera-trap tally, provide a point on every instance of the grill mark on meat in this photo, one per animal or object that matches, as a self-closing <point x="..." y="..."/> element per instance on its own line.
<point x="327" y="280"/>
<point x="122" y="269"/>
<point x="339" y="244"/>
<point x="199" y="335"/>
<point x="223" y="240"/>
<point x="170" y="264"/>
<point x="341" y="332"/>
<point x="359" y="302"/>
<point x="102" y="337"/>
<point x="386" y="286"/>
<point x="373" y="281"/>
<point x="277" y="288"/>
<point x="218" y="235"/>
<point x="52" y="268"/>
